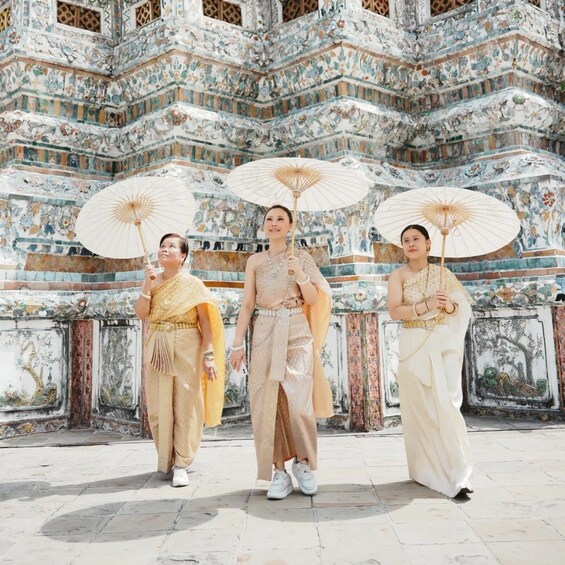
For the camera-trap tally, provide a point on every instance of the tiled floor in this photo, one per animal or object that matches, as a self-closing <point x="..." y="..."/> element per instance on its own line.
<point x="84" y="497"/>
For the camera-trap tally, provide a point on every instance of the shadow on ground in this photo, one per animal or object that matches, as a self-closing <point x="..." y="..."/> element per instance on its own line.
<point x="134" y="519"/>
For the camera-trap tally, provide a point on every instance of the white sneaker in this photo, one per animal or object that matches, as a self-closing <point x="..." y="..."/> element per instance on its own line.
<point x="180" y="477"/>
<point x="304" y="476"/>
<point x="281" y="486"/>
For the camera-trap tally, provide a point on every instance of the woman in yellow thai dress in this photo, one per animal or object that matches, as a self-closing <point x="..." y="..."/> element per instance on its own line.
<point x="287" y="386"/>
<point x="184" y="358"/>
<point x="435" y="312"/>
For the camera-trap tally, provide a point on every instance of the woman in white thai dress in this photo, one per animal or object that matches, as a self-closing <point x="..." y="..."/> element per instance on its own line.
<point x="435" y="312"/>
<point x="287" y="387"/>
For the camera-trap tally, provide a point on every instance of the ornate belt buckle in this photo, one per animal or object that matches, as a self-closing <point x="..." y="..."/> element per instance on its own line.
<point x="283" y="313"/>
<point x="167" y="326"/>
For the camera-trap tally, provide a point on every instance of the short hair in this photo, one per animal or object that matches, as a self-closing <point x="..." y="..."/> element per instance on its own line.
<point x="182" y="240"/>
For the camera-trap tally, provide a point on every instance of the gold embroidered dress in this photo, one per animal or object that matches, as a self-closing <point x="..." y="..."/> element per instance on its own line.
<point x="287" y="386"/>
<point x="180" y="399"/>
<point x="429" y="377"/>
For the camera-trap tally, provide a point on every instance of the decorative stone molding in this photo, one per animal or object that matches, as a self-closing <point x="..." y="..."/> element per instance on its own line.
<point x="80" y="389"/>
<point x="510" y="363"/>
<point x="470" y="98"/>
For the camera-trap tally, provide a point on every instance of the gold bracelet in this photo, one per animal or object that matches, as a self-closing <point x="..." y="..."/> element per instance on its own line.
<point x="146" y="296"/>
<point x="305" y="281"/>
<point x="414" y="311"/>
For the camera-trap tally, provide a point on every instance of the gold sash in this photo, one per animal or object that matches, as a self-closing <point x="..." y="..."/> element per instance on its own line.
<point x="174" y="302"/>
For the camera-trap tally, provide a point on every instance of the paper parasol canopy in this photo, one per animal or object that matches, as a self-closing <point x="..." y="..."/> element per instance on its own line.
<point x="128" y="218"/>
<point x="461" y="222"/>
<point x="306" y="185"/>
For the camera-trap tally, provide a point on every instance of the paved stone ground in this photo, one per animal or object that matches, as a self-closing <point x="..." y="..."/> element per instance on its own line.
<point x="86" y="497"/>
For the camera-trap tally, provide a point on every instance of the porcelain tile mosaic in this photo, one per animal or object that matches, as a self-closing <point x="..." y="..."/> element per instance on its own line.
<point x="470" y="98"/>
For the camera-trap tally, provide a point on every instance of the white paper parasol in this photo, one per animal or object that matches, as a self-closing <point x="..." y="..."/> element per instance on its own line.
<point x="461" y="222"/>
<point x="129" y="217"/>
<point x="306" y="185"/>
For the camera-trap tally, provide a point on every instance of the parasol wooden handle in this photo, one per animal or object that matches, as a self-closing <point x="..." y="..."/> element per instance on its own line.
<point x="296" y="195"/>
<point x="444" y="233"/>
<point x="137" y="223"/>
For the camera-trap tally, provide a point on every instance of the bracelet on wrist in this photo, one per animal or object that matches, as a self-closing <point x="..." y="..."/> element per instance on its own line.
<point x="145" y="295"/>
<point x="414" y="311"/>
<point x="452" y="311"/>
<point x="236" y="348"/>
<point x="305" y="281"/>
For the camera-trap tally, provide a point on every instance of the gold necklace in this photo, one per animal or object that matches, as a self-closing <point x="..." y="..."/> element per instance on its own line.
<point x="425" y="293"/>
<point x="275" y="270"/>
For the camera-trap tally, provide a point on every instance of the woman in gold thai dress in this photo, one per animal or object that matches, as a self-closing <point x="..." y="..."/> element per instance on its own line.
<point x="435" y="312"/>
<point x="287" y="386"/>
<point x="184" y="358"/>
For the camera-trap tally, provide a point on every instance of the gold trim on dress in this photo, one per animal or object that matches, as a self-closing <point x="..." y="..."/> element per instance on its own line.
<point x="171" y="326"/>
<point x="427" y="324"/>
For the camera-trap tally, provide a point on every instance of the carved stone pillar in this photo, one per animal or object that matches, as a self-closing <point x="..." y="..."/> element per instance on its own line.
<point x="17" y="12"/>
<point x="268" y="13"/>
<point x="330" y="7"/>
<point x="420" y="10"/>
<point x="364" y="373"/>
<point x="559" y="329"/>
<point x="80" y="389"/>
<point x="143" y="416"/>
<point x="191" y="10"/>
<point x="403" y="12"/>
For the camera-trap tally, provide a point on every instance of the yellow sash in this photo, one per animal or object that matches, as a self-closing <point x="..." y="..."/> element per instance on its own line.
<point x="171" y="303"/>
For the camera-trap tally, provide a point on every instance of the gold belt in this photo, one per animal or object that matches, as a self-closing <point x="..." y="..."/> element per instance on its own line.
<point x="281" y="312"/>
<point x="425" y="324"/>
<point x="171" y="326"/>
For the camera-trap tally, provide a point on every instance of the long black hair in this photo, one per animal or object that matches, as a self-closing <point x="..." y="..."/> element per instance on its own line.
<point x="417" y="227"/>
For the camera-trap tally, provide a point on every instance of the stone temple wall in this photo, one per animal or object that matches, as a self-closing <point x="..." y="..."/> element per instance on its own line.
<point x="471" y="98"/>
